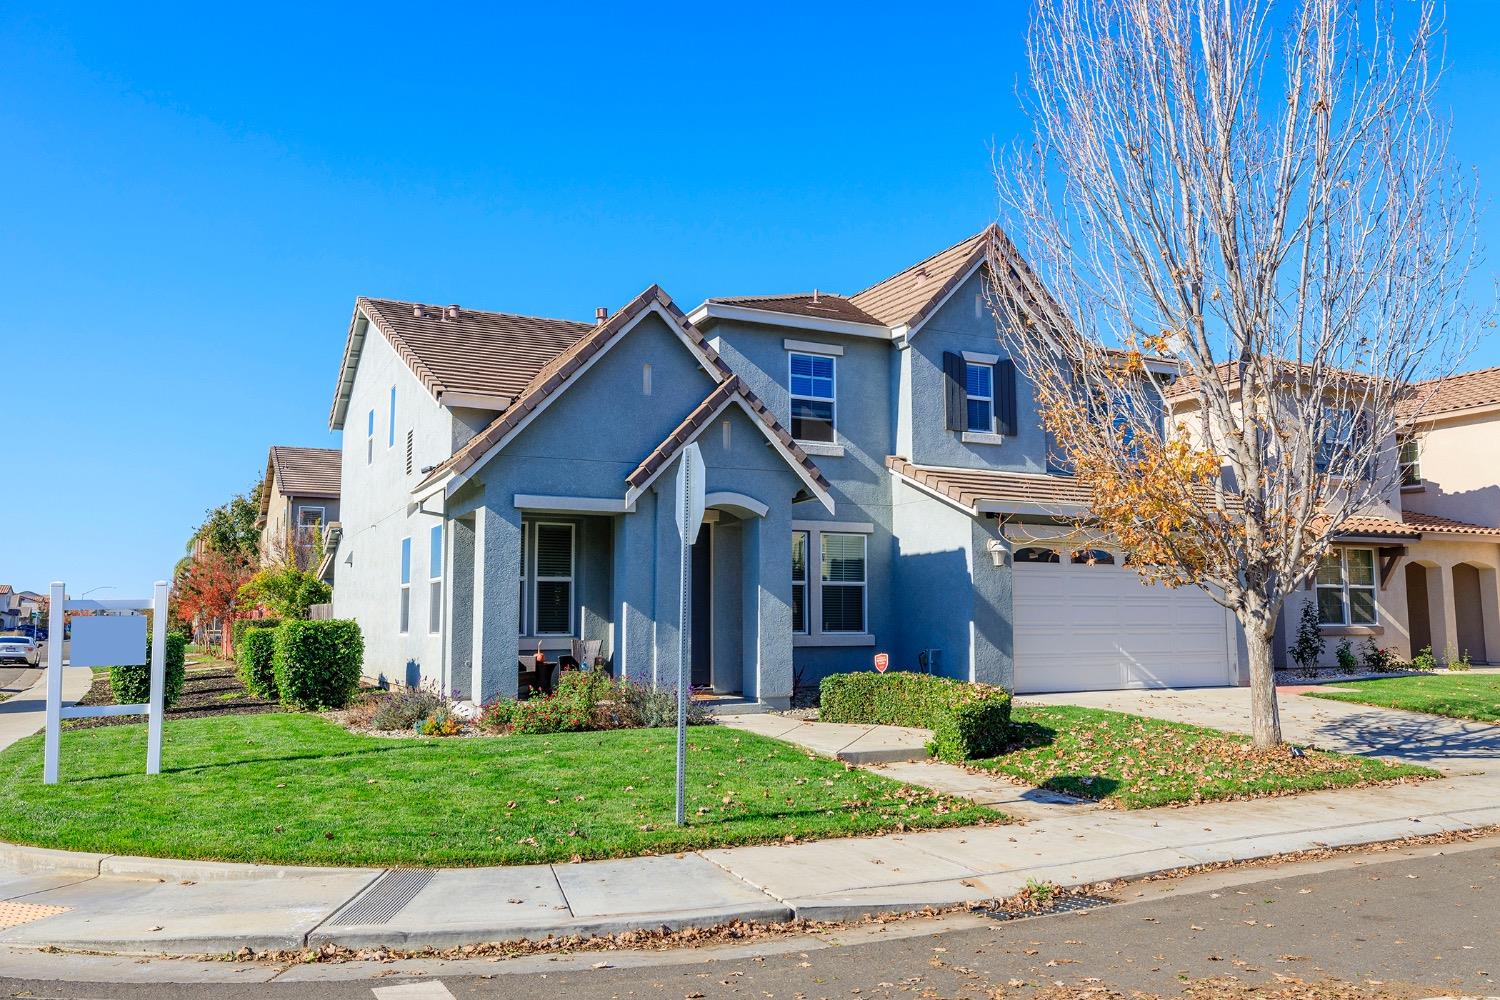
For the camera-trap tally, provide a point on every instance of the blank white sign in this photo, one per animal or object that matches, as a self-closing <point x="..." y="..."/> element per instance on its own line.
<point x="108" y="641"/>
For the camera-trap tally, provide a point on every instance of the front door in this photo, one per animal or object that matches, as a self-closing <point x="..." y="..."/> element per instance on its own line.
<point x="702" y="608"/>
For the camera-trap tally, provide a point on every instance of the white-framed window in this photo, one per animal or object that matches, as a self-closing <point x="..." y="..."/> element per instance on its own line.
<point x="435" y="580"/>
<point x="799" y="582"/>
<point x="310" y="518"/>
<point x="404" y="617"/>
<point x="1410" y="459"/>
<point x="979" y="386"/>
<point x="1338" y="436"/>
<point x="842" y="581"/>
<point x="1346" y="587"/>
<point x="552" y="578"/>
<point x="812" y="380"/>
<point x="521" y="607"/>
<point x="391" y="431"/>
<point x="370" y="439"/>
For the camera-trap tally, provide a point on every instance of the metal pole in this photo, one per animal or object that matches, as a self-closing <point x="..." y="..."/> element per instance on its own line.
<point x="54" y="682"/>
<point x="158" y="677"/>
<point x="683" y="639"/>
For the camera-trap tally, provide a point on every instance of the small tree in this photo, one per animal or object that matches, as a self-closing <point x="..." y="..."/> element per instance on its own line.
<point x="285" y="591"/>
<point x="1241" y="214"/>
<point x="1308" y="646"/>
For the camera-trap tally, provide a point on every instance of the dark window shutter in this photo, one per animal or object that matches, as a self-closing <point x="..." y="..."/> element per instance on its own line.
<point x="953" y="386"/>
<point x="1005" y="397"/>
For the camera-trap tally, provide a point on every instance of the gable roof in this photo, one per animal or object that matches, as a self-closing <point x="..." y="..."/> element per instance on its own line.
<point x="1463" y="391"/>
<point x="731" y="391"/>
<point x="301" y="472"/>
<point x="484" y="357"/>
<point x="816" y="304"/>
<point x="556" y="374"/>
<point x="981" y="490"/>
<point x="908" y="297"/>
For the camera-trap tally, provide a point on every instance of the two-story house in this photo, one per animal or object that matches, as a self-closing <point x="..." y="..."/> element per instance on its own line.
<point x="877" y="482"/>
<point x="299" y="507"/>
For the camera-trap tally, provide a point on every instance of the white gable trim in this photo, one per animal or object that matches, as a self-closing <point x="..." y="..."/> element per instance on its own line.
<point x="654" y="308"/>
<point x="634" y="492"/>
<point x="935" y="494"/>
<point x="911" y="331"/>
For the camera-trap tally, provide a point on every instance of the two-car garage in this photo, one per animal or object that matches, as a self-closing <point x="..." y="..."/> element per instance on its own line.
<point x="1082" y="622"/>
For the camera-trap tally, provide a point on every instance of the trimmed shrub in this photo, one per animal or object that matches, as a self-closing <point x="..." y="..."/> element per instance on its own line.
<point x="132" y="685"/>
<point x="243" y="625"/>
<point x="255" y="652"/>
<point x="968" y="721"/>
<point x="317" y="664"/>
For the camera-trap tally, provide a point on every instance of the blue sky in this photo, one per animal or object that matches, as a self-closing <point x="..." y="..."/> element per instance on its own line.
<point x="191" y="197"/>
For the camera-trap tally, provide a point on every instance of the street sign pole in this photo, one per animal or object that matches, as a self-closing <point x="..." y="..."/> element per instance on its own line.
<point x="690" y="501"/>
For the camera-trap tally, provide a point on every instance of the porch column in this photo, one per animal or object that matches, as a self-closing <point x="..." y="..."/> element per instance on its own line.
<point x="497" y="568"/>
<point x="633" y="591"/>
<point x="667" y="556"/>
<point x="768" y="569"/>
<point x="1444" y="616"/>
<point x="991" y="658"/>
<point x="458" y="638"/>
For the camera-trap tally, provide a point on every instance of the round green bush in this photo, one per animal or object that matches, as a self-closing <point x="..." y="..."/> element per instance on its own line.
<point x="132" y="685"/>
<point x="317" y="663"/>
<point x="254" y="652"/>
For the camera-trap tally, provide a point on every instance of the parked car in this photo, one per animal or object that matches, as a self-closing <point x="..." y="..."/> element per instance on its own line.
<point x="18" y="647"/>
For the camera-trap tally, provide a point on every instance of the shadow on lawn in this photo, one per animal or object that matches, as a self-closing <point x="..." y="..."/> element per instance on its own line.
<point x="1036" y="736"/>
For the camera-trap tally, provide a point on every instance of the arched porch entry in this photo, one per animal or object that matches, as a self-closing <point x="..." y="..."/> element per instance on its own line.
<point x="725" y="568"/>
<point x="1470" y="611"/>
<point x="1419" y="617"/>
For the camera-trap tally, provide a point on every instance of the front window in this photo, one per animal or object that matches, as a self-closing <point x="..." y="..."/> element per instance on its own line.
<point x="1346" y="587"/>
<point x="1411" y="462"/>
<point x="405" y="612"/>
<point x="812" y="390"/>
<point x="979" y="385"/>
<point x="435" y="580"/>
<point x="799" y="582"/>
<point x="552" y="592"/>
<point x="843" y="582"/>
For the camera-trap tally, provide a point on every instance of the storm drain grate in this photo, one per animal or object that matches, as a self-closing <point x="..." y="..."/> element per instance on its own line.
<point x="384" y="899"/>
<point x="1064" y="904"/>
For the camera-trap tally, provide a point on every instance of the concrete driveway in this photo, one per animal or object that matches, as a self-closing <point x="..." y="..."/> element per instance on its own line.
<point x="1451" y="745"/>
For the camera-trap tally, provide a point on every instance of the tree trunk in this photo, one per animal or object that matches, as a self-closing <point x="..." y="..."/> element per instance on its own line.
<point x="1265" y="716"/>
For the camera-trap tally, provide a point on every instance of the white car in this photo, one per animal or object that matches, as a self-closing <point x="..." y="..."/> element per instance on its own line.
<point x="17" y="647"/>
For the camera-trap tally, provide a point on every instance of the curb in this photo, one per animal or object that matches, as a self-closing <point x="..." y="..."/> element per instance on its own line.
<point x="29" y="860"/>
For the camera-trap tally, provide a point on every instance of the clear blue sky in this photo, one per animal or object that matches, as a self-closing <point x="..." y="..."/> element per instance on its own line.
<point x="191" y="197"/>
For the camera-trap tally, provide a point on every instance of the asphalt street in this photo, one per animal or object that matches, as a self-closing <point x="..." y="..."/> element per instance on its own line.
<point x="1423" y="922"/>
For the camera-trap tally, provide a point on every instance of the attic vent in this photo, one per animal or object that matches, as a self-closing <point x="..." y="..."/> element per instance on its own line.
<point x="452" y="312"/>
<point x="408" y="453"/>
<point x="600" y="315"/>
<point x="921" y="276"/>
<point x="420" y="312"/>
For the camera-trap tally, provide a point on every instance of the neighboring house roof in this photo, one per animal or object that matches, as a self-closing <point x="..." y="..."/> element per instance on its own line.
<point x="5" y="588"/>
<point x="820" y="305"/>
<point x="1413" y="526"/>
<point x="1463" y="391"/>
<point x="556" y="373"/>
<point x="1446" y="525"/>
<point x="908" y="297"/>
<point x="301" y="472"/>
<point x="980" y="490"/>
<point x="483" y="358"/>
<point x="732" y="390"/>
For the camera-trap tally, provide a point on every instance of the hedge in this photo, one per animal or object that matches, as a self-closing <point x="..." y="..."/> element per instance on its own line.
<point x="132" y="685"/>
<point x="255" y="652"/>
<point x="317" y="663"/>
<point x="968" y="721"/>
<point x="243" y="625"/>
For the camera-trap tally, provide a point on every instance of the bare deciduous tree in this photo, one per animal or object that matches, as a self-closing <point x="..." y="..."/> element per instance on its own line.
<point x="1248" y="210"/>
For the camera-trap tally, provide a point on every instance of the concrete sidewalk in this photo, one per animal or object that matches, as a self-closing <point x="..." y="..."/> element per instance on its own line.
<point x="26" y="712"/>
<point x="103" y="903"/>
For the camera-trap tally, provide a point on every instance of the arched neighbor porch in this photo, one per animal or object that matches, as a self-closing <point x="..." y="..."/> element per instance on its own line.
<point x="1453" y="602"/>
<point x="1470" y="611"/>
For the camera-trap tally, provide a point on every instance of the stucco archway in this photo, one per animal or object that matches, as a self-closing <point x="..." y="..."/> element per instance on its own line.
<point x="1470" y="610"/>
<point x="1418" y="607"/>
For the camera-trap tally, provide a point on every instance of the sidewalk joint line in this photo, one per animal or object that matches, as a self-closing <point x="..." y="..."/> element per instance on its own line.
<point x="737" y="876"/>
<point x="552" y="869"/>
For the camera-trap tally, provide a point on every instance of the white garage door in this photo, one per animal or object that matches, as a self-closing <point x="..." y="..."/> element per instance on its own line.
<point x="1081" y="627"/>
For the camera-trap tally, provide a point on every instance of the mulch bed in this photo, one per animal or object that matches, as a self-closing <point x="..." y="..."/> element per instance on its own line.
<point x="206" y="690"/>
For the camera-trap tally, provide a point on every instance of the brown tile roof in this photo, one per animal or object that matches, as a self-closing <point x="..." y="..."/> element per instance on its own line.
<point x="1456" y="392"/>
<point x="551" y="376"/>
<point x="703" y="413"/>
<point x="905" y="299"/>
<point x="967" y="487"/>
<point x="308" y="472"/>
<point x="820" y="305"/>
<point x="1363" y="526"/>
<point x="1446" y="525"/>
<point x="479" y="353"/>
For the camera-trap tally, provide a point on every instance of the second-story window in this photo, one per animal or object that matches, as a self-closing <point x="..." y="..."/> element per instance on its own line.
<point x="391" y="433"/>
<point x="1411" y="462"/>
<point x="370" y="439"/>
<point x="1338" y="438"/>
<point x="812" y="390"/>
<point x="979" y="385"/>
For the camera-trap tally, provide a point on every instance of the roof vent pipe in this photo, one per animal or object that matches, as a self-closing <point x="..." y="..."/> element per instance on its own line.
<point x="418" y="311"/>
<point x="600" y="315"/>
<point x="815" y="296"/>
<point x="452" y="312"/>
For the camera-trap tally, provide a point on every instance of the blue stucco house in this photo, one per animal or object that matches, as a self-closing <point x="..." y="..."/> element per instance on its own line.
<point x="878" y="481"/>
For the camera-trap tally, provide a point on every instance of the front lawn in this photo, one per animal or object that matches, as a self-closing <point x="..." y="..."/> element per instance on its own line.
<point x="1457" y="695"/>
<point x="297" y="789"/>
<point x="1135" y="762"/>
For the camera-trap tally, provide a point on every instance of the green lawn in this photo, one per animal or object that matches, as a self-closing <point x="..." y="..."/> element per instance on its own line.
<point x="1134" y="762"/>
<point x="298" y="789"/>
<point x="1459" y="695"/>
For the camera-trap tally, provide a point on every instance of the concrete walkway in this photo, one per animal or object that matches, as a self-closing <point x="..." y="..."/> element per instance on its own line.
<point x="131" y="905"/>
<point x="26" y="712"/>
<point x="853" y="744"/>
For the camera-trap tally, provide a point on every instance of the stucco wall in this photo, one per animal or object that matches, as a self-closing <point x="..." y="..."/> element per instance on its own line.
<point x="1460" y="463"/>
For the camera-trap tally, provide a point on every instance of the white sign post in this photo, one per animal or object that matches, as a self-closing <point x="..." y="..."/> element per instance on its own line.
<point x="690" y="500"/>
<point x="106" y="641"/>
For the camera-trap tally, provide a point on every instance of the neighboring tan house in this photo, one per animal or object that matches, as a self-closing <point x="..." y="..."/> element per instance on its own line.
<point x="299" y="506"/>
<point x="10" y="608"/>
<point x="877" y="481"/>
